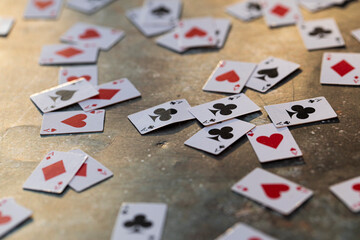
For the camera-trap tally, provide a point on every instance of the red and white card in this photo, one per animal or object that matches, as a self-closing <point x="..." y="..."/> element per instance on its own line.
<point x="5" y="26"/>
<point x="55" y="172"/>
<point x="272" y="191"/>
<point x="110" y="93"/>
<point x="241" y="231"/>
<point x="89" y="72"/>
<point x="281" y="12"/>
<point x="72" y="122"/>
<point x="349" y="193"/>
<point x="48" y="9"/>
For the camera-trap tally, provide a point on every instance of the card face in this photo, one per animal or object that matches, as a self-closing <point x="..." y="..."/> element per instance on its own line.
<point x="229" y="77"/>
<point x="88" y="6"/>
<point x="93" y="35"/>
<point x="161" y="115"/>
<point x="170" y="41"/>
<point x="269" y="72"/>
<point x="140" y="221"/>
<point x="89" y="72"/>
<point x="349" y="193"/>
<point x="340" y="68"/>
<point x="43" y="9"/>
<point x="224" y="109"/>
<point x="64" y="95"/>
<point x="91" y="172"/>
<point x="11" y="215"/>
<point x="160" y="12"/>
<point x="356" y="34"/>
<point x="241" y="231"/>
<point x="222" y="26"/>
<point x="320" y="34"/>
<point x="55" y="172"/>
<point x="281" y="12"/>
<point x="271" y="143"/>
<point x="217" y="137"/>
<point x="5" y="26"/>
<point x="300" y="112"/>
<point x="72" y="122"/>
<point x="110" y="93"/>
<point x="272" y="191"/>
<point x="245" y="10"/>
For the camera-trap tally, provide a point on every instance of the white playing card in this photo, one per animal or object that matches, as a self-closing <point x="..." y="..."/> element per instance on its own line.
<point x="66" y="54"/>
<point x="55" y="172"/>
<point x="86" y="35"/>
<point x="269" y="72"/>
<point x="271" y="143"/>
<point x="89" y="72"/>
<point x="63" y="95"/>
<point x="5" y="25"/>
<point x="91" y="172"/>
<point x="316" y="5"/>
<point x="160" y="12"/>
<point x="217" y="137"/>
<point x="72" y="122"/>
<point x="300" y="112"/>
<point x="11" y="215"/>
<point x="110" y="93"/>
<point x="161" y="115"/>
<point x="229" y="76"/>
<point x="356" y="34"/>
<point x="222" y="26"/>
<point x="281" y="12"/>
<point x="241" y="231"/>
<point x="140" y="221"/>
<point x="348" y="192"/>
<point x="272" y="191"/>
<point x="245" y="10"/>
<point x="320" y="34"/>
<point x="88" y="6"/>
<point x="170" y="41"/>
<point x="224" y="109"/>
<point x="340" y="68"/>
<point x="43" y="9"/>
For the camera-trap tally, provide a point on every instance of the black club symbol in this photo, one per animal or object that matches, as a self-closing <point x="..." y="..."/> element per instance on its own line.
<point x="224" y="133"/>
<point x="300" y="111"/>
<point x="163" y="114"/>
<point x="138" y="223"/>
<point x="224" y="109"/>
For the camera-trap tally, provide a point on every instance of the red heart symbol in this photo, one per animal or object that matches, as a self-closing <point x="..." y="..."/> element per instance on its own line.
<point x="72" y="78"/>
<point x="251" y="134"/>
<point x="43" y="4"/>
<point x="4" y="219"/>
<point x="356" y="187"/>
<point x="230" y="76"/>
<point x="99" y="170"/>
<point x="274" y="190"/>
<point x="76" y="121"/>
<point x="294" y="151"/>
<point x="90" y="33"/>
<point x="273" y="141"/>
<point x="195" y="32"/>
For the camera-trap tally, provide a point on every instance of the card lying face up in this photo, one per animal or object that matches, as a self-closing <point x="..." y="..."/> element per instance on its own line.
<point x="48" y="9"/>
<point x="160" y="12"/>
<point x="241" y="231"/>
<point x="281" y="12"/>
<point x="89" y="72"/>
<point x="349" y="193"/>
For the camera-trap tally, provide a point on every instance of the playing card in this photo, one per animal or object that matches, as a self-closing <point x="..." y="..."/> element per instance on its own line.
<point x="87" y="35"/>
<point x="89" y="72"/>
<point x="224" y="109"/>
<point x="161" y="115"/>
<point x="279" y="13"/>
<point x="241" y="231"/>
<point x="64" y="95"/>
<point x="340" y="68"/>
<point x="320" y="34"/>
<point x="72" y="122"/>
<point x="348" y="192"/>
<point x="316" y="5"/>
<point x="160" y="12"/>
<point x="91" y="172"/>
<point x="43" y="9"/>
<point x="269" y="72"/>
<point x="356" y="34"/>
<point x="217" y="137"/>
<point x="67" y="54"/>
<point x="300" y="112"/>
<point x="140" y="221"/>
<point x="6" y="25"/>
<point x="11" y="215"/>
<point x="55" y="172"/>
<point x="170" y="41"/>
<point x="88" y="6"/>
<point x="222" y="26"/>
<point x="271" y="143"/>
<point x="245" y="10"/>
<point x="272" y="191"/>
<point x="110" y="93"/>
<point x="229" y="76"/>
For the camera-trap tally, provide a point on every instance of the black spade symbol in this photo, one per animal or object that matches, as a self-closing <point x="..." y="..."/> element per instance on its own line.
<point x="224" y="109"/>
<point x="300" y="111"/>
<point x="138" y="223"/>
<point x="224" y="133"/>
<point x="64" y="95"/>
<point x="319" y="32"/>
<point x="163" y="114"/>
<point x="271" y="73"/>
<point x="161" y="11"/>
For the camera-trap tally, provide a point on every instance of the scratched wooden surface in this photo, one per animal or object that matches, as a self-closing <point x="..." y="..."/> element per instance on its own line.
<point x="157" y="167"/>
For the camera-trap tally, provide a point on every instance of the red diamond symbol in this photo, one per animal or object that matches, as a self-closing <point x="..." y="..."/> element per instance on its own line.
<point x="82" y="171"/>
<point x="54" y="170"/>
<point x="342" y="68"/>
<point x="69" y="52"/>
<point x="280" y="10"/>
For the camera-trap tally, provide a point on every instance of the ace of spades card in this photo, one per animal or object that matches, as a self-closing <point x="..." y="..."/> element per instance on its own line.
<point x="349" y="193"/>
<point x="160" y="12"/>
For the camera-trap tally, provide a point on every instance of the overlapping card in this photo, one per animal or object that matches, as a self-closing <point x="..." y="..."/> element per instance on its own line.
<point x="71" y="73"/>
<point x="88" y="6"/>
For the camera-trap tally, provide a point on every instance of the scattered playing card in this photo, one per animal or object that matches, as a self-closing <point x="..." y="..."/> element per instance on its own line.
<point x="140" y="221"/>
<point x="66" y="54"/>
<point x="269" y="72"/>
<point x="222" y="26"/>
<point x="55" y="172"/>
<point x="245" y="10"/>
<point x="48" y="9"/>
<point x="241" y="231"/>
<point x="271" y="143"/>
<point x="217" y="137"/>
<point x="281" y="12"/>
<point x="88" y="6"/>
<point x="72" y="122"/>
<point x="348" y="192"/>
<point x="91" y="172"/>
<point x="89" y="72"/>
<point x="5" y="25"/>
<point x="110" y="93"/>
<point x="340" y="68"/>
<point x="87" y="35"/>
<point x="356" y="34"/>
<point x="170" y="41"/>
<point x="64" y="95"/>
<point x="160" y="12"/>
<point x="300" y="112"/>
<point x="224" y="109"/>
<point x="11" y="215"/>
<point x="272" y="191"/>
<point x="320" y="34"/>
<point x="161" y="115"/>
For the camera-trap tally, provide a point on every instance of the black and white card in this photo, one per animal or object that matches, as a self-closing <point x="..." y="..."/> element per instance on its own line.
<point x="245" y="10"/>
